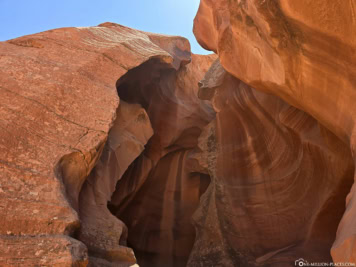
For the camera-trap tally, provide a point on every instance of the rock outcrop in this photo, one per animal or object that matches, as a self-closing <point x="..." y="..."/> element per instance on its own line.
<point x="58" y="107"/>
<point x="278" y="180"/>
<point x="119" y="146"/>
<point x="105" y="235"/>
<point x="302" y="51"/>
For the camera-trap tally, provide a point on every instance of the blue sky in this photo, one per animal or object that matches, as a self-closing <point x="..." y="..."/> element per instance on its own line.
<point x="175" y="17"/>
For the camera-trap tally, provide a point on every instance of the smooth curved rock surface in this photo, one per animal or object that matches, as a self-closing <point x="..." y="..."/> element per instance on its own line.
<point x="298" y="51"/>
<point x="158" y="194"/>
<point x="104" y="235"/>
<point x="302" y="51"/>
<point x="279" y="180"/>
<point x="113" y="139"/>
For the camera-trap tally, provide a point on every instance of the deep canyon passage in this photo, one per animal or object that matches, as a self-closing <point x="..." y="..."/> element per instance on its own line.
<point x="257" y="151"/>
<point x="121" y="147"/>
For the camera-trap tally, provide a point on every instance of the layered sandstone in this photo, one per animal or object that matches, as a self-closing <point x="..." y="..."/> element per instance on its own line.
<point x="119" y="146"/>
<point x="58" y="103"/>
<point x="158" y="195"/>
<point x="278" y="180"/>
<point x="302" y="51"/>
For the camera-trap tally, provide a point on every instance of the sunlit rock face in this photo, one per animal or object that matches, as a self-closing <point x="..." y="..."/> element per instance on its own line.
<point x="302" y="51"/>
<point x="119" y="146"/>
<point x="299" y="50"/>
<point x="104" y="235"/>
<point x="61" y="117"/>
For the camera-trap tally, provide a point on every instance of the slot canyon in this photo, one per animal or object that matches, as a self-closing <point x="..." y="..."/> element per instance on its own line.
<point x="120" y="147"/>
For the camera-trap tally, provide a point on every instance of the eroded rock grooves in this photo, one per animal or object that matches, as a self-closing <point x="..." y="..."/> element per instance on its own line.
<point x="302" y="51"/>
<point x="49" y="133"/>
<point x="120" y="146"/>
<point x="273" y="196"/>
<point x="160" y="231"/>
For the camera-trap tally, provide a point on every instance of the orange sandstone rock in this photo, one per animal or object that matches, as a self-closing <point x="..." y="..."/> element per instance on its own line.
<point x="108" y="145"/>
<point x="302" y="51"/>
<point x="58" y="104"/>
<point x="278" y="180"/>
<point x="159" y="193"/>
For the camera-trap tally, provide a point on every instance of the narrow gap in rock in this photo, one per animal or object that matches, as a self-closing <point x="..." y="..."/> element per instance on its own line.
<point x="158" y="193"/>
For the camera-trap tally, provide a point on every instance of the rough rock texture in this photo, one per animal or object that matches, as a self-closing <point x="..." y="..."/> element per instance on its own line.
<point x="58" y="102"/>
<point x="302" y="51"/>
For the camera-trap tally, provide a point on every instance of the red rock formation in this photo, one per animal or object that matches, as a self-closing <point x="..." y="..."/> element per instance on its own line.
<point x="103" y="124"/>
<point x="104" y="235"/>
<point x="158" y="195"/>
<point x="58" y="103"/>
<point x="274" y="196"/>
<point x="302" y="51"/>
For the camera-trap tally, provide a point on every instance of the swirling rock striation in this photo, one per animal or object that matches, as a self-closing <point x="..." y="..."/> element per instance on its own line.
<point x="302" y="51"/>
<point x="113" y="139"/>
<point x="278" y="180"/>
<point x="158" y="194"/>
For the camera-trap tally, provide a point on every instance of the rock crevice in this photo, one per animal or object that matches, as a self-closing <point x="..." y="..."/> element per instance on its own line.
<point x="119" y="146"/>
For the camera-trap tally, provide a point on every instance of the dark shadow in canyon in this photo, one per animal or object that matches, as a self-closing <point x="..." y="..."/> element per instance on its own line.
<point x="158" y="194"/>
<point x="143" y="175"/>
<point x="147" y="184"/>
